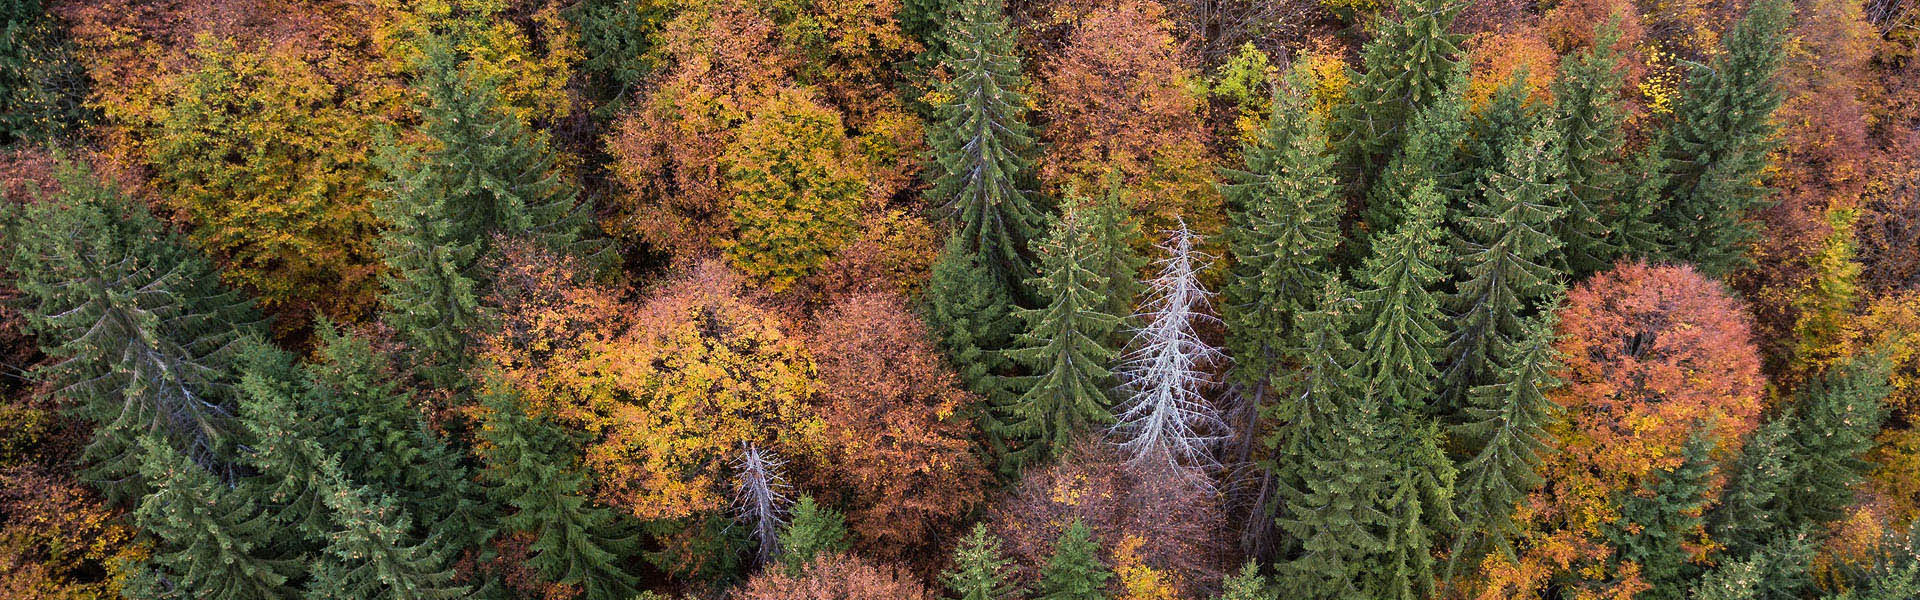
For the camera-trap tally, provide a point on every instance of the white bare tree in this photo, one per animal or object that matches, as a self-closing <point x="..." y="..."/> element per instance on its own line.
<point x="760" y="497"/>
<point x="1165" y="421"/>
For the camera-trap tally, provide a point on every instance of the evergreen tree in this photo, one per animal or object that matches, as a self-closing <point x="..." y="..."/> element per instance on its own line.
<point x="979" y="142"/>
<point x="1248" y="584"/>
<point x="1589" y="114"/>
<point x="43" y="87"/>
<point x="1637" y="229"/>
<point x="370" y="554"/>
<point x="814" y="531"/>
<point x="213" y="542"/>
<point x="1113" y="259"/>
<point x="1653" y="527"/>
<point x="1501" y="263"/>
<point x="1896" y="569"/>
<point x="979" y="571"/>
<point x="1063" y="347"/>
<point x="1507" y="427"/>
<point x="141" y="334"/>
<point x="531" y="470"/>
<point x="1738" y="580"/>
<point x="1836" y="421"/>
<point x="1400" y="310"/>
<point x="1408" y="64"/>
<point x="432" y="300"/>
<point x="1719" y="139"/>
<point x="974" y="324"/>
<point x="1419" y="508"/>
<point x="282" y="449"/>
<point x="1747" y="515"/>
<point x="1283" y="224"/>
<point x="1492" y="136"/>
<point x="1074" y="570"/>
<point x="1430" y="155"/>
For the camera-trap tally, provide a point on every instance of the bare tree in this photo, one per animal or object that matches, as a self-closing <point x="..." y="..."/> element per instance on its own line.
<point x="760" y="497"/>
<point x="1166" y="421"/>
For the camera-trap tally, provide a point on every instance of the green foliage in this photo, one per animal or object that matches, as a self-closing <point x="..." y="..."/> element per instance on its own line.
<point x="1283" y="224"/>
<point x="1419" y="509"/>
<point x="1747" y="515"/>
<point x="43" y="86"/>
<point x="1074" y="570"/>
<point x="370" y="554"/>
<point x="1718" y="141"/>
<point x="1739" y="580"/>
<point x="1654" y="526"/>
<point x="979" y="571"/>
<point x="1407" y="67"/>
<point x="214" y="542"/>
<point x="140" y="332"/>
<point x="1836" y="421"/>
<point x="282" y="448"/>
<point x="1065" y="348"/>
<point x="1507" y="428"/>
<point x="972" y="318"/>
<point x="616" y="43"/>
<point x="532" y="470"/>
<point x="1428" y="156"/>
<point x="431" y="301"/>
<point x="1589" y="114"/>
<point x="1400" y="308"/>
<point x="812" y="531"/>
<point x="1248" y="584"/>
<point x="1114" y="258"/>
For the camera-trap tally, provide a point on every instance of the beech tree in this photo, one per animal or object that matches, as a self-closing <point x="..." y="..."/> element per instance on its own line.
<point x="797" y="187"/>
<point x="835" y="577"/>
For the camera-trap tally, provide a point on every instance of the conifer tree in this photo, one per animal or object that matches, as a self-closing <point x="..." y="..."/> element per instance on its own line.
<point x="141" y="334"/>
<point x="1637" y="229"/>
<point x="1590" y="117"/>
<point x="814" y="531"/>
<point x="761" y="498"/>
<point x="1074" y="570"/>
<point x="531" y="470"/>
<point x="431" y="299"/>
<point x="1064" y="348"/>
<point x="1407" y="66"/>
<point x="213" y="542"/>
<point x="1747" y="515"/>
<point x="1507" y="428"/>
<point x="1501" y="265"/>
<point x="1248" y="584"/>
<point x="1491" y="137"/>
<point x="1400" y="309"/>
<point x="369" y="553"/>
<point x="979" y="142"/>
<point x="1653" y="527"/>
<point x="1166" y="421"/>
<point x="1429" y="155"/>
<point x="1836" y="421"/>
<point x="974" y="324"/>
<point x="1418" y="507"/>
<point x="1113" y="258"/>
<point x="1738" y="580"/>
<point x="282" y="450"/>
<point x="1718" y="141"/>
<point x="979" y="571"/>
<point x="1283" y="225"/>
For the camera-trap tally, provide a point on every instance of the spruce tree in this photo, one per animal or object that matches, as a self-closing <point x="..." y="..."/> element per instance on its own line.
<point x="1718" y="141"/>
<point x="979" y="571"/>
<point x="979" y="142"/>
<point x="1747" y="515"/>
<point x="814" y="531"/>
<point x="370" y="554"/>
<point x="1400" y="315"/>
<point x="1507" y="430"/>
<point x="1418" y="506"/>
<point x="973" y="321"/>
<point x="1491" y="137"/>
<point x="212" y="541"/>
<point x="1430" y="155"/>
<point x="141" y="333"/>
<point x="1501" y="264"/>
<point x="1835" y="423"/>
<point x="1637" y="229"/>
<point x="283" y="450"/>
<point x="1064" y="347"/>
<point x="432" y="300"/>
<point x="1653" y="527"/>
<point x="531" y="470"/>
<point x="1248" y="584"/>
<point x="1074" y="570"/>
<point x="1738" y="580"/>
<point x="1407" y="66"/>
<point x="1114" y="259"/>
<point x="1588" y="111"/>
<point x="1283" y="225"/>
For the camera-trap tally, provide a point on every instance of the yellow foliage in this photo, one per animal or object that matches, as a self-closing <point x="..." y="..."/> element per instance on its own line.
<point x="1137" y="580"/>
<point x="532" y="83"/>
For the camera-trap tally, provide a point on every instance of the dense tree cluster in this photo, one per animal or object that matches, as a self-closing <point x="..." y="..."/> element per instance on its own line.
<point x="974" y="299"/>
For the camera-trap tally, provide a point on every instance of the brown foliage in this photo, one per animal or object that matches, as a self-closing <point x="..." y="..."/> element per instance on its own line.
<point x="835" y="577"/>
<point x="893" y="255"/>
<point x="57" y="540"/>
<point x="898" y="450"/>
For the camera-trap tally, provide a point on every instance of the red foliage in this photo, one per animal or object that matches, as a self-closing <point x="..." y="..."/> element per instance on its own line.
<point x="835" y="577"/>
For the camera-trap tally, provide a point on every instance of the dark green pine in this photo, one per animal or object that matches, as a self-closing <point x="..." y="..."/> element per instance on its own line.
<point x="1506" y="430"/>
<point x="1590" y="115"/>
<point x="1400" y="318"/>
<point x="370" y="553"/>
<point x="1074" y="570"/>
<point x="1407" y="66"/>
<point x="1430" y="154"/>
<point x="979" y="142"/>
<point x="1836" y="420"/>
<point x="1718" y="141"/>
<point x="1419" y="509"/>
<point x="980" y="571"/>
<point x="1283" y="225"/>
<point x="213" y="542"/>
<point x="973" y="321"/>
<point x="813" y="531"/>
<point x="1065" y="348"/>
<point x="1654" y="525"/>
<point x="140" y="332"/>
<point x="530" y="469"/>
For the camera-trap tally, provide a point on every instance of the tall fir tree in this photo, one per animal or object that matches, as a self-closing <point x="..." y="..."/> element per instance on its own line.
<point x="1399" y="318"/>
<point x="1638" y="231"/>
<point x="1718" y="141"/>
<point x="1064" y="346"/>
<point x="974" y="323"/>
<point x="1653" y="528"/>
<point x="979" y="142"/>
<point x="1114" y="259"/>
<point x="432" y="300"/>
<point x="979" y="571"/>
<point x="211" y="541"/>
<point x="814" y="531"/>
<point x="1248" y="584"/>
<point x="1492" y="135"/>
<point x="141" y="333"/>
<point x="1507" y="430"/>
<point x="1590" y="115"/>
<point x="1430" y="155"/>
<point x="370" y="553"/>
<point x="1407" y="66"/>
<point x="1419" y="509"/>
<point x="282" y="448"/>
<point x="532" y="470"/>
<point x="1502" y="268"/>
<point x="1835" y="423"/>
<point x="1747" y="516"/>
<point x="1283" y="226"/>
<point x="1074" y="570"/>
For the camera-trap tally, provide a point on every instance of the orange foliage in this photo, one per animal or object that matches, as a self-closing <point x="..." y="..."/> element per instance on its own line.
<point x="57" y="540"/>
<point x="835" y="577"/>
<point x="1496" y="57"/>
<point x="899" y="453"/>
<point x="893" y="255"/>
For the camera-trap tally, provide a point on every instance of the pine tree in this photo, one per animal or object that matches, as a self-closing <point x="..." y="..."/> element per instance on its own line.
<point x="1719" y="139"/>
<point x="1283" y="225"/>
<point x="815" y="531"/>
<point x="1430" y="155"/>
<point x="1836" y="421"/>
<point x="974" y="324"/>
<point x="213" y="542"/>
<point x="979" y="142"/>
<point x="1400" y="309"/>
<point x="141" y="334"/>
<point x="1747" y="515"/>
<point x="1653" y="527"/>
<point x="1408" y="64"/>
<point x="980" y="572"/>
<point x="370" y="554"/>
<point x="1507" y="428"/>
<point x="1074" y="570"/>
<point x="1063" y="348"/>
<point x="1590" y="117"/>
<point x="1248" y="584"/>
<point x="531" y="470"/>
<point x="1501" y="264"/>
